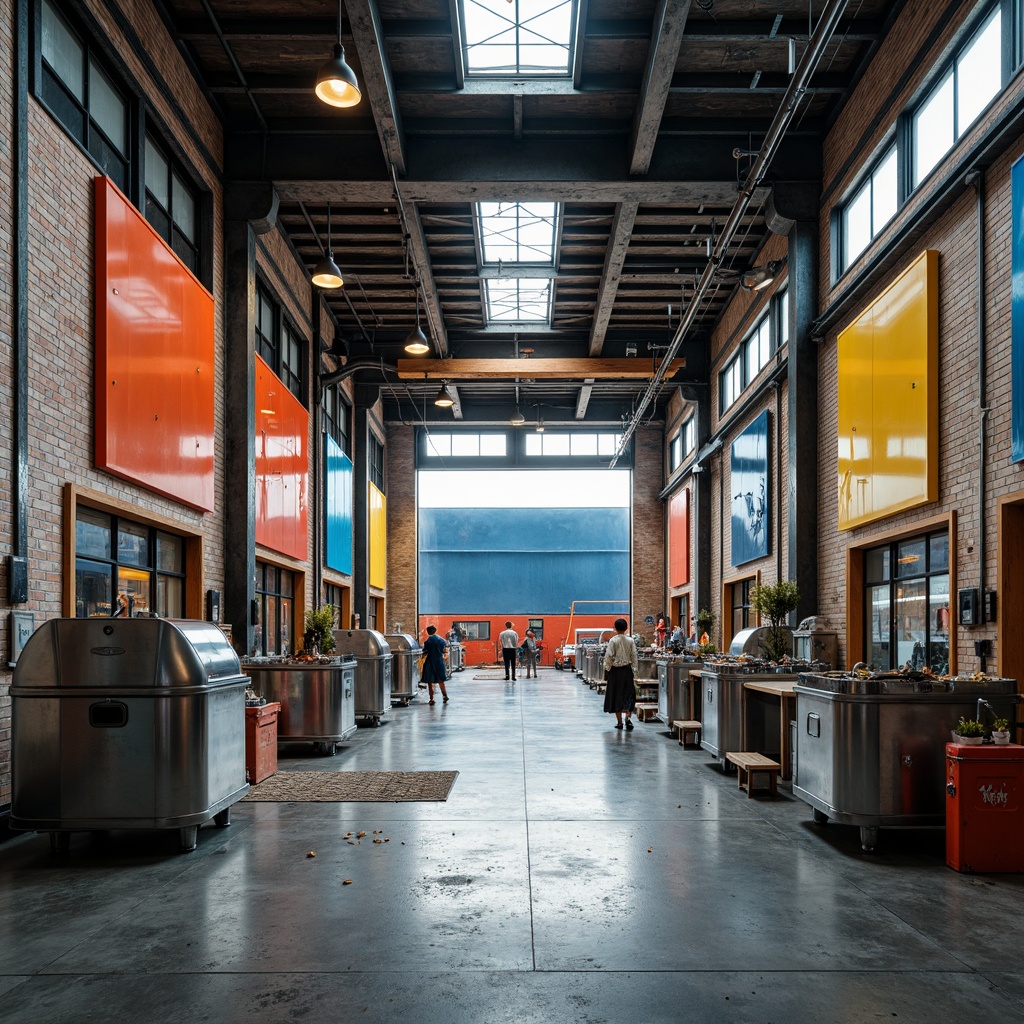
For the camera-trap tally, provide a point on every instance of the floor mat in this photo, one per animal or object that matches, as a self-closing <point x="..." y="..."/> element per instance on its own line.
<point x="490" y="675"/>
<point x="361" y="787"/>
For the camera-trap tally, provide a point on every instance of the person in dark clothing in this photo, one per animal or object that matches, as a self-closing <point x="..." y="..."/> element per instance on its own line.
<point x="620" y="669"/>
<point x="434" y="671"/>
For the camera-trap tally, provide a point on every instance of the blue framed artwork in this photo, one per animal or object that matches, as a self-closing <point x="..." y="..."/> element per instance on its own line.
<point x="1017" y="313"/>
<point x="338" y="507"/>
<point x="751" y="518"/>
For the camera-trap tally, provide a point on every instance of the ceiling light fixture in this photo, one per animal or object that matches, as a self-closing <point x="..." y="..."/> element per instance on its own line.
<point x="756" y="278"/>
<point x="444" y="397"/>
<point x="336" y="83"/>
<point x="417" y="344"/>
<point x="518" y="419"/>
<point x="326" y="273"/>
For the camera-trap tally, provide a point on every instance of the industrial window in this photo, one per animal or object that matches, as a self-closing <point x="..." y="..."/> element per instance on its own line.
<point x="682" y="444"/>
<point x="376" y="454"/>
<point x="560" y="444"/>
<point x="466" y="445"/>
<point x="475" y="630"/>
<point x="518" y="300"/>
<point x="743" y="615"/>
<point x="906" y="603"/>
<point x="517" y="37"/>
<point x="873" y="205"/>
<point x="782" y="318"/>
<point x="171" y="205"/>
<point x="83" y="95"/>
<point x="275" y="602"/>
<point x="336" y="412"/>
<point x="537" y="625"/>
<point x="961" y="94"/>
<point x="333" y="596"/>
<point x="283" y="350"/>
<point x="126" y="569"/>
<point x="373" y="605"/>
<point x="755" y="353"/>
<point x="689" y="436"/>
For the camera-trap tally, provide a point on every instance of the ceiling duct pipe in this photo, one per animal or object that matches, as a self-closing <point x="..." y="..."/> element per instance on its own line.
<point x="816" y="46"/>
<point x="390" y="373"/>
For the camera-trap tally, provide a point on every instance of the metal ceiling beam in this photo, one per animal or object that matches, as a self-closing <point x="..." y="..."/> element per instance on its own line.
<point x="614" y="260"/>
<point x="378" y="87"/>
<point x="662" y="56"/>
<point x="583" y="400"/>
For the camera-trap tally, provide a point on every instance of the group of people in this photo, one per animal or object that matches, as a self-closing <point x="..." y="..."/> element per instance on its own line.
<point x="511" y="649"/>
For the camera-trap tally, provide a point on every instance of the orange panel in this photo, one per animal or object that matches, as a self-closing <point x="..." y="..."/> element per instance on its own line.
<point x="679" y="538"/>
<point x="154" y="358"/>
<point x="282" y="466"/>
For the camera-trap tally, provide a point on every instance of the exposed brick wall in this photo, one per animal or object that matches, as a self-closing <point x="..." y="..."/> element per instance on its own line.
<point x="402" y="537"/>
<point x="650" y="595"/>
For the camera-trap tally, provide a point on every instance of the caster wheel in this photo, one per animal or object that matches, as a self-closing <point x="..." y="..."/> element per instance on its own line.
<point x="223" y="819"/>
<point x="820" y="817"/>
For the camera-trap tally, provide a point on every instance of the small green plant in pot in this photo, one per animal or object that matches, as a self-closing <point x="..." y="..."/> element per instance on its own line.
<point x="969" y="730"/>
<point x="704" y="621"/>
<point x="774" y="602"/>
<point x="319" y="635"/>
<point x="1001" y="731"/>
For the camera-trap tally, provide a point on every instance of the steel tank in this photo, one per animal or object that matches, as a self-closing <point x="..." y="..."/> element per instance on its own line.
<point x="673" y="690"/>
<point x="373" y="670"/>
<point x="317" y="700"/>
<point x="871" y="751"/>
<point x="405" y="676"/>
<point x="126" y="723"/>
<point x="722" y="698"/>
<point x="456" y="657"/>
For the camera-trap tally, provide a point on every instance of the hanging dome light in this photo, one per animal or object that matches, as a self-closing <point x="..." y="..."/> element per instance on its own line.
<point x="336" y="83"/>
<point x="417" y="344"/>
<point x="326" y="273"/>
<point x="518" y="419"/>
<point x="444" y="399"/>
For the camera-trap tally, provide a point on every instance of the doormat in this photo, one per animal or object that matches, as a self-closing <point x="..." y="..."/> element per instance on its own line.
<point x="490" y="675"/>
<point x="357" y="787"/>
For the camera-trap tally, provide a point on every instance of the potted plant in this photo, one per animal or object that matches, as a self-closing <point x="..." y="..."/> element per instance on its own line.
<point x="774" y="602"/>
<point x="705" y="623"/>
<point x="969" y="731"/>
<point x="319" y="634"/>
<point x="1001" y="731"/>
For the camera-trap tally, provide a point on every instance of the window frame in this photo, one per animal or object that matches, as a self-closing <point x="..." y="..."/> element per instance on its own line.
<point x="375" y="462"/>
<point x="271" y="346"/>
<point x="176" y="174"/>
<point x="337" y="417"/>
<point x="519" y="71"/>
<point x="285" y="622"/>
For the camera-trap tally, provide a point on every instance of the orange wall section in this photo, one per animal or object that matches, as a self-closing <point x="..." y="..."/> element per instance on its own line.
<point x="282" y="466"/>
<point x="679" y="538"/>
<point x="154" y="382"/>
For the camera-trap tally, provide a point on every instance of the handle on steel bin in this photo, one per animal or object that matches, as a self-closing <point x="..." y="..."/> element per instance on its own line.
<point x="108" y="714"/>
<point x="813" y="720"/>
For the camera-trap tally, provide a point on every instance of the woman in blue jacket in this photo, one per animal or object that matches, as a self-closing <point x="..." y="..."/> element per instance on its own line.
<point x="434" y="670"/>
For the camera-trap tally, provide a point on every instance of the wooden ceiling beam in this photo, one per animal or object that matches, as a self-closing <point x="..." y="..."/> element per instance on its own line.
<point x="611" y="273"/>
<point x="529" y="369"/>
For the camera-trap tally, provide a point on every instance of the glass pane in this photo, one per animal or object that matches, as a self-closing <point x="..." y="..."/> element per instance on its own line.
<point x="170" y="597"/>
<point x="465" y="444"/>
<point x="534" y="444"/>
<point x="93" y="589"/>
<point x="133" y="589"/>
<point x="108" y="109"/>
<point x="933" y="129"/>
<point x="783" y="318"/>
<point x="287" y="583"/>
<point x="520" y="300"/>
<point x="271" y="638"/>
<point x="132" y="543"/>
<point x="439" y="445"/>
<point x="286" y="625"/>
<point x="938" y="553"/>
<point x="63" y="52"/>
<point x="910" y="558"/>
<point x="183" y="208"/>
<point x="170" y="552"/>
<point x="517" y="232"/>
<point x="92" y="533"/>
<point x="555" y="444"/>
<point x="876" y="565"/>
<point x="492" y="444"/>
<point x="979" y="75"/>
<point x="157" y="174"/>
<point x="879" y="625"/>
<point x="857" y="224"/>
<point x="583" y="444"/>
<point x="938" y="618"/>
<point x="884" y="193"/>
<point x="911" y="622"/>
<point x="608" y="444"/>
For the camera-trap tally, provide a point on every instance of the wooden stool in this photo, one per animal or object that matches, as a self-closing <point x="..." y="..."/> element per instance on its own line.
<point x="645" y="712"/>
<point x="748" y="764"/>
<point x="684" y="728"/>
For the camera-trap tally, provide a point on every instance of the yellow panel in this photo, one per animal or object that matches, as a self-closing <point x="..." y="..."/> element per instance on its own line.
<point x="378" y="537"/>
<point x="888" y="400"/>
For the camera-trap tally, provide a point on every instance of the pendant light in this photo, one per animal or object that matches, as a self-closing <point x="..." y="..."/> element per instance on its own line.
<point x="417" y="343"/>
<point x="326" y="274"/>
<point x="336" y="83"/>
<point x="444" y="397"/>
<point x="518" y="419"/>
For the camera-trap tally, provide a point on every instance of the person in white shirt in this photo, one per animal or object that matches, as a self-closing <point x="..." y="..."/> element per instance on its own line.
<point x="620" y="669"/>
<point x="509" y="640"/>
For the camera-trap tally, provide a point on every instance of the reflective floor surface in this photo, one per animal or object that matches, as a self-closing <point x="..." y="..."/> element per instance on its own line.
<point x="575" y="874"/>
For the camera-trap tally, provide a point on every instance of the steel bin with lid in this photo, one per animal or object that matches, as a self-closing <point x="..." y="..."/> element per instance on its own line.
<point x="405" y="651"/>
<point x="126" y="723"/>
<point x="373" y="670"/>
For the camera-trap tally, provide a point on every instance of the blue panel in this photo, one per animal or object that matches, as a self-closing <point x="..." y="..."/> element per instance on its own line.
<point x="495" y="560"/>
<point x="751" y="519"/>
<point x="338" y="485"/>
<point x="1017" y="313"/>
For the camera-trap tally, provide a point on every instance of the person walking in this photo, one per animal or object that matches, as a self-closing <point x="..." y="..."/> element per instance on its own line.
<point x="620" y="669"/>
<point x="433" y="663"/>
<point x="509" y="640"/>
<point x="530" y="653"/>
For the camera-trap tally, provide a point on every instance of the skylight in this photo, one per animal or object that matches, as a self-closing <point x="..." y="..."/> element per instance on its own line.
<point x="517" y="232"/>
<point x="522" y="300"/>
<point x="517" y="37"/>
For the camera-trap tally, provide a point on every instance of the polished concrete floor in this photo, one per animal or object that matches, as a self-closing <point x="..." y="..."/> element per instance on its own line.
<point x="575" y="873"/>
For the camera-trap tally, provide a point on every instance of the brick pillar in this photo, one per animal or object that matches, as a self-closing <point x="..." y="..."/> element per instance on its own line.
<point x="650" y="593"/>
<point x="403" y="539"/>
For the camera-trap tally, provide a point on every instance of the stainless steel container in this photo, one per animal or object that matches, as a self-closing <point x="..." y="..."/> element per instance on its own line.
<point x="748" y="641"/>
<point x="456" y="658"/>
<point x="814" y="641"/>
<point x="871" y="752"/>
<point x="674" y="690"/>
<point x="722" y="713"/>
<point x="318" y="703"/>
<point x="126" y="723"/>
<point x="647" y="667"/>
<point x="373" y="670"/>
<point x="405" y="676"/>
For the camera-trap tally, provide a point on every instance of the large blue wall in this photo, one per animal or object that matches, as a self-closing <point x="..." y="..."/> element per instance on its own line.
<point x="493" y="560"/>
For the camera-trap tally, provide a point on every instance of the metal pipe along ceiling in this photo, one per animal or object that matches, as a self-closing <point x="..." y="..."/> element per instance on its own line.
<point x="773" y="139"/>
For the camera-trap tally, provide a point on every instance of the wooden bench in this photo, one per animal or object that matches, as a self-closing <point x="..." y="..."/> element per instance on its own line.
<point x="646" y="712"/>
<point x="683" y="729"/>
<point x="748" y="764"/>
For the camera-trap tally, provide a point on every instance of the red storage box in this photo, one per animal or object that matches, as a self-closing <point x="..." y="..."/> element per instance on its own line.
<point x="261" y="742"/>
<point x="984" y="819"/>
